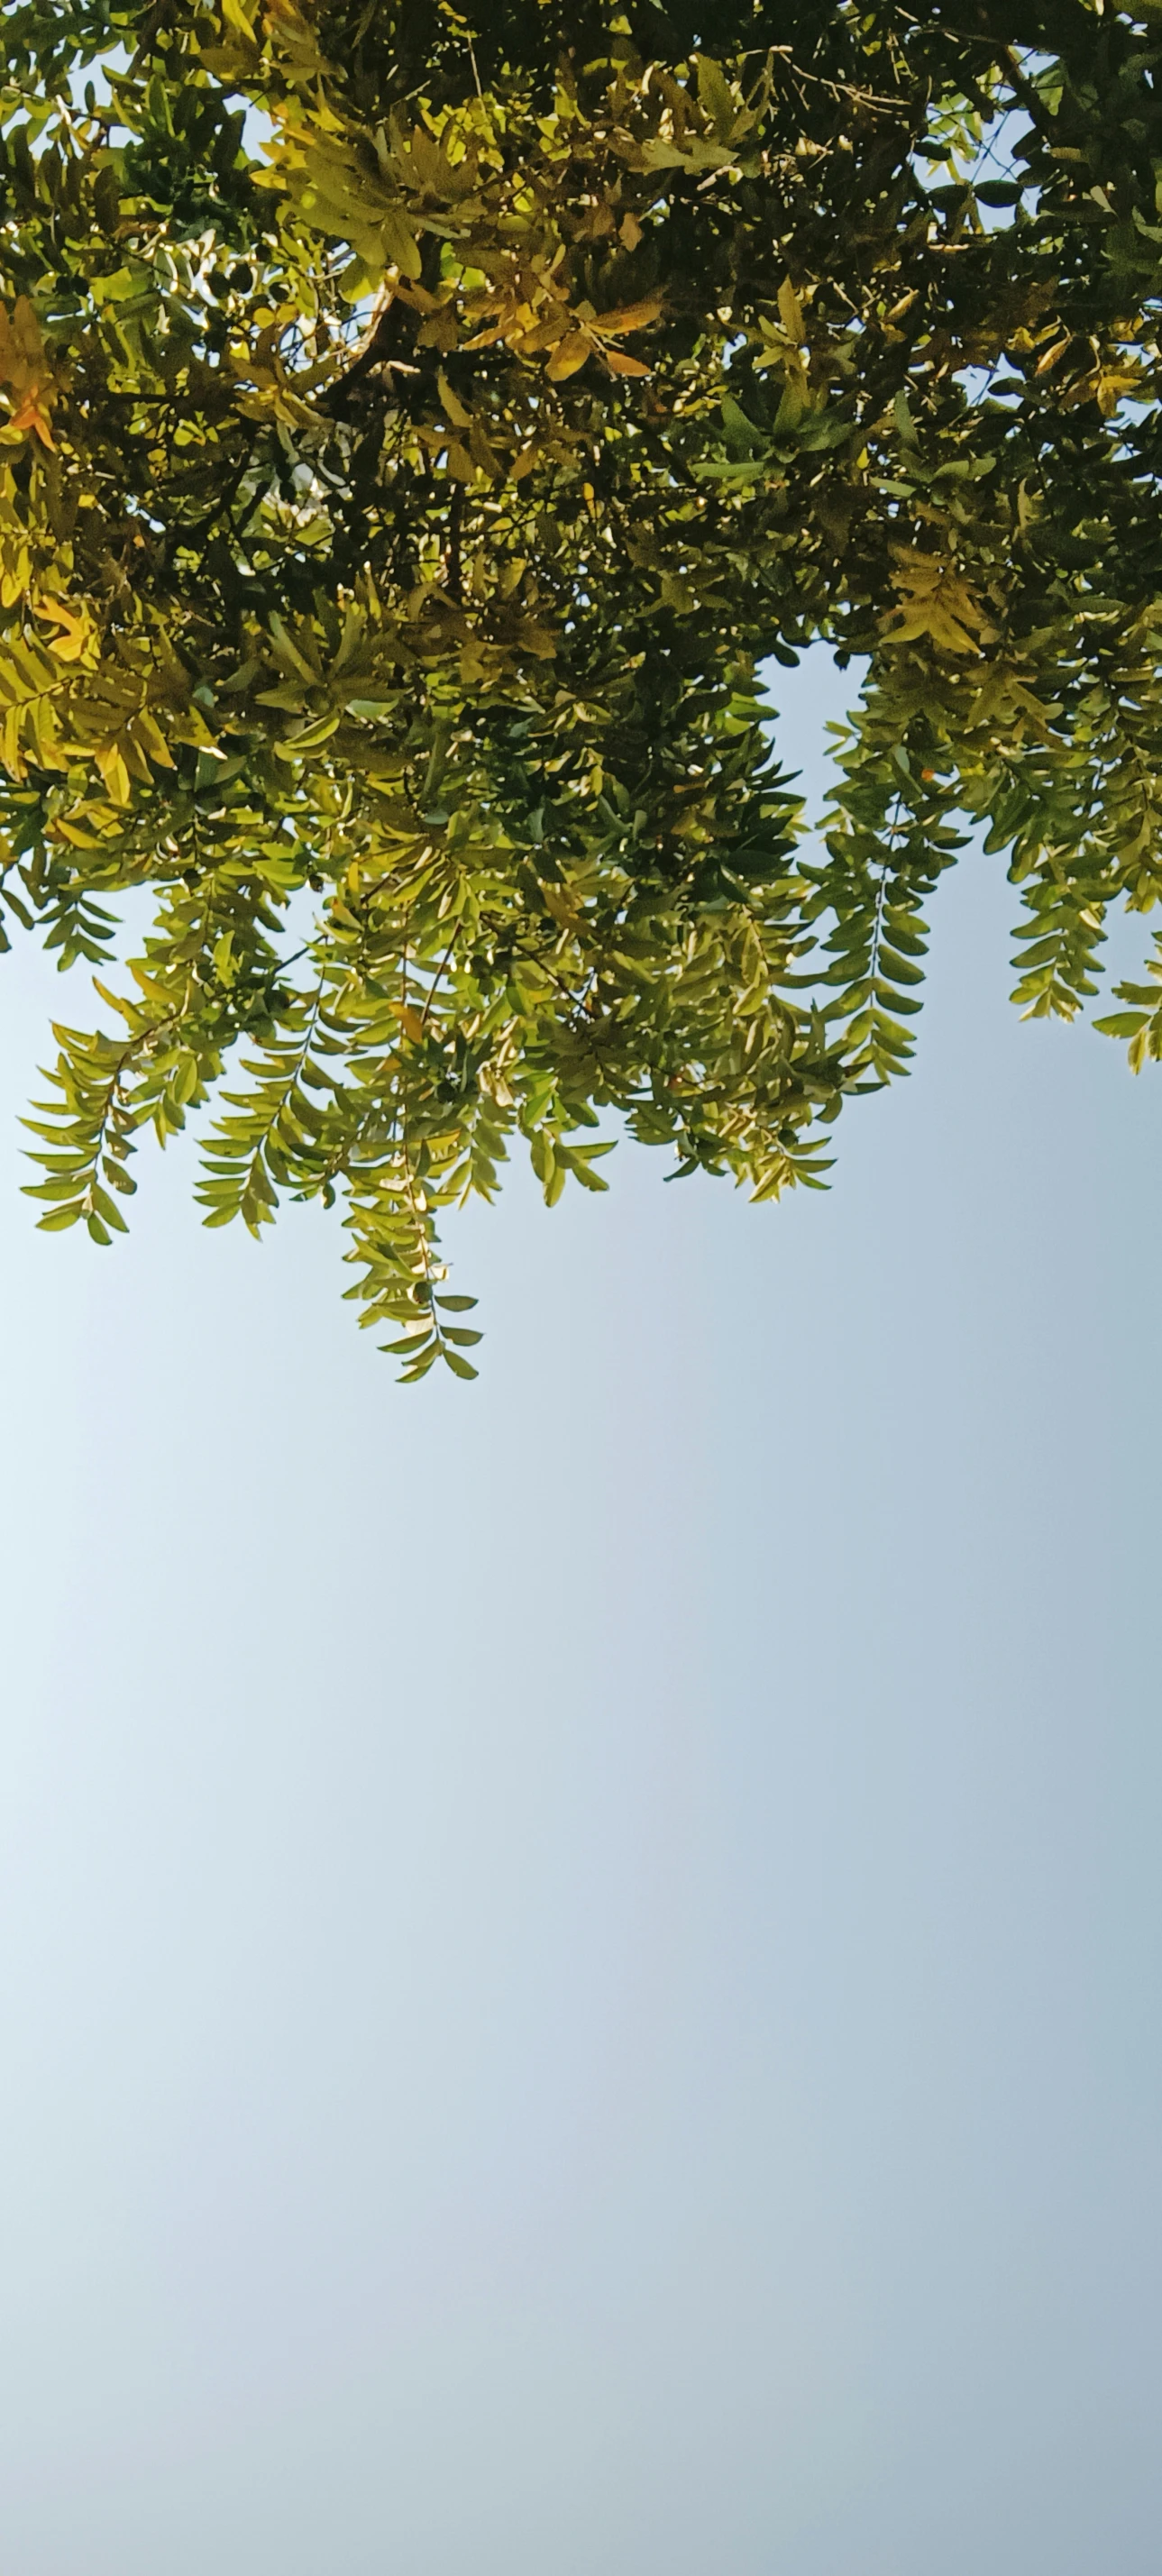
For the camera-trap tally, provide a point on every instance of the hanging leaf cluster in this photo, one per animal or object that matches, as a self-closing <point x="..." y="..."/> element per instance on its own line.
<point x="421" y="428"/>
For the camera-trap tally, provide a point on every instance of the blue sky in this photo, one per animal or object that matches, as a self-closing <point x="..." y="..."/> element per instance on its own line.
<point x="577" y="1954"/>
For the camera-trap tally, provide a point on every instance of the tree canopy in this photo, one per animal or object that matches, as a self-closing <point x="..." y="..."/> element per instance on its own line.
<point x="423" y="426"/>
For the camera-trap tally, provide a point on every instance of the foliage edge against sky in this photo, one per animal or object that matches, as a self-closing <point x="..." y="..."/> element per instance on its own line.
<point x="421" y="426"/>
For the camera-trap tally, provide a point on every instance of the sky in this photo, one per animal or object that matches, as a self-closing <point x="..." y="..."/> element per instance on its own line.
<point x="579" y="1955"/>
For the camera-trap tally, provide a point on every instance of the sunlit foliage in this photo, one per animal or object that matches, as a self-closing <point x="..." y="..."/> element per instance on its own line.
<point x="420" y="431"/>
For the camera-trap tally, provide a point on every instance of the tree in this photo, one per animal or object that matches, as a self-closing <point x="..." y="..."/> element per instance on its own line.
<point x="422" y="428"/>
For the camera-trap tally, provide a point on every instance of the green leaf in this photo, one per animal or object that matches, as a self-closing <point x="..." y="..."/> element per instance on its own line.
<point x="57" y="1218"/>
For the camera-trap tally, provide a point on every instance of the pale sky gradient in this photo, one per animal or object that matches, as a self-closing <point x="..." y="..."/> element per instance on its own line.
<point x="579" y="1957"/>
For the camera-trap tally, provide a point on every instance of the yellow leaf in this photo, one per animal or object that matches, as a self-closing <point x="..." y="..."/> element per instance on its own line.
<point x="790" y="312"/>
<point x="10" y="755"/>
<point x="25" y="371"/>
<point x="400" y="244"/>
<point x="569" y="354"/>
<point x="14" y="579"/>
<point x="151" y="739"/>
<point x="627" y="317"/>
<point x="113" y="771"/>
<point x="453" y="406"/>
<point x="30" y="417"/>
<point x="622" y="365"/>
<point x="66" y="831"/>
<point x="926" y="618"/>
<point x="558" y="903"/>
<point x="541" y="335"/>
<point x="235" y="16"/>
<point x="938" y="604"/>
<point x="76" y="626"/>
<point x="191" y="728"/>
<point x="21" y="345"/>
<point x="46" y="741"/>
